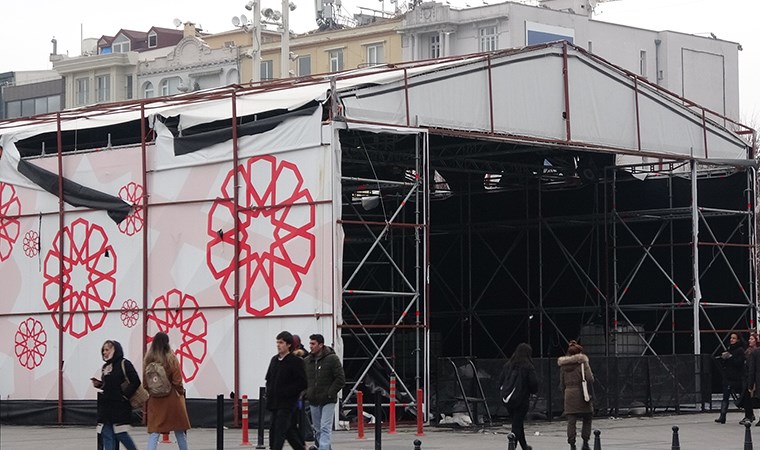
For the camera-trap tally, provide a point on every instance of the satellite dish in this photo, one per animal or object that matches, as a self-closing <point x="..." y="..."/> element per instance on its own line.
<point x="292" y="6"/>
<point x="243" y="19"/>
<point x="276" y="16"/>
<point x="236" y="21"/>
<point x="177" y="22"/>
<point x="268" y="13"/>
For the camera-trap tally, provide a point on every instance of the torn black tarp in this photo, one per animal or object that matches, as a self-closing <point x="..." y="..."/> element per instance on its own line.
<point x="74" y="193"/>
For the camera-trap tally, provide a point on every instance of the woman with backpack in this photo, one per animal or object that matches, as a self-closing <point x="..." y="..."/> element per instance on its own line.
<point x="573" y="370"/>
<point x="114" y="410"/>
<point x="166" y="405"/>
<point x="518" y="381"/>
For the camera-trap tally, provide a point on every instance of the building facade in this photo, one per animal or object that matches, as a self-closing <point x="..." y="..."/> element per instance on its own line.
<point x="28" y="93"/>
<point x="702" y="69"/>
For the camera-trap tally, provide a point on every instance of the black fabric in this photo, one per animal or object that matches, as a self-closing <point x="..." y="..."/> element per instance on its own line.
<point x="191" y="141"/>
<point x="522" y="380"/>
<point x="284" y="428"/>
<point x="113" y="403"/>
<point x="285" y="380"/>
<point x="74" y="193"/>
<point x="517" y="415"/>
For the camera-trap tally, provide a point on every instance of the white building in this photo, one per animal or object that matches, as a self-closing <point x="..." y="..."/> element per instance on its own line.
<point x="702" y="69"/>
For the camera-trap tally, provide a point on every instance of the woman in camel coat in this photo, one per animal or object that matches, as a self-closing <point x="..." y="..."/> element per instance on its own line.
<point x="576" y="406"/>
<point x="168" y="413"/>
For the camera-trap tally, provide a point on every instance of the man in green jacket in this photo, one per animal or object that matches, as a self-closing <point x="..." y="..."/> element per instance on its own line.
<point x="325" y="376"/>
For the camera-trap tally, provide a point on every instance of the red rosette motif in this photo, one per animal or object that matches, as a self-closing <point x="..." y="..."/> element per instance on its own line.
<point x="129" y="313"/>
<point x="176" y="312"/>
<point x="10" y="208"/>
<point x="31" y="343"/>
<point x="31" y="243"/>
<point x="133" y="194"/>
<point x="87" y="284"/>
<point x="276" y="245"/>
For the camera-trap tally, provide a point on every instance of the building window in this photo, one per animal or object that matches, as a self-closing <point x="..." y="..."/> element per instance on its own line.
<point x="121" y="44"/>
<point x="83" y="91"/>
<point x="170" y="86"/>
<point x="103" y="88"/>
<point x="375" y="54"/>
<point x="148" y="90"/>
<point x="267" y="68"/>
<point x="336" y="60"/>
<point x="489" y="40"/>
<point x="54" y="103"/>
<point x="435" y="46"/>
<point x="304" y="65"/>
<point x="13" y="110"/>
<point x="152" y="39"/>
<point x="643" y="63"/>
<point x="129" y="88"/>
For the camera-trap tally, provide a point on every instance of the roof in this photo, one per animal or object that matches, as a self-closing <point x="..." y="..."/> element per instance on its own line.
<point x="517" y="95"/>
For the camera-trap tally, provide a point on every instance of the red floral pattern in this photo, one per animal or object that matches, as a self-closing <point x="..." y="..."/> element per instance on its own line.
<point x="132" y="193"/>
<point x="10" y="208"/>
<point x="179" y="312"/>
<point x="129" y="313"/>
<point x="31" y="243"/>
<point x="31" y="343"/>
<point x="87" y="286"/>
<point x="276" y="245"/>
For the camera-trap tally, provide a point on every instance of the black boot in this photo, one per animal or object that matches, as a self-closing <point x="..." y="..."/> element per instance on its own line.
<point x="585" y="445"/>
<point x="723" y="411"/>
<point x="572" y="447"/>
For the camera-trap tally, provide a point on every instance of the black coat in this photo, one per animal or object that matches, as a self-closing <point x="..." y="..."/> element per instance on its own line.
<point x="286" y="379"/>
<point x="113" y="404"/>
<point x="733" y="366"/>
<point x="528" y="382"/>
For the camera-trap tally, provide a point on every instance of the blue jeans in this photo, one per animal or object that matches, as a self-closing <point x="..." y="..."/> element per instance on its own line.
<point x="180" y="436"/>
<point x="110" y="436"/>
<point x="322" y="417"/>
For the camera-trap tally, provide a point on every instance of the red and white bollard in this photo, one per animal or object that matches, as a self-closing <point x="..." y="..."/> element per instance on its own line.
<point x="165" y="438"/>
<point x="360" y="414"/>
<point x="392" y="415"/>
<point x="244" y="413"/>
<point x="420" y="413"/>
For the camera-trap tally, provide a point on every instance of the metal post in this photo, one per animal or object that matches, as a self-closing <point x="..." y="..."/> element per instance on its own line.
<point x="360" y="414"/>
<point x="260" y="433"/>
<point x="245" y="441"/>
<point x="255" y="8"/>
<point x="220" y="422"/>
<point x="748" y="436"/>
<point x="676" y="443"/>
<point x="392" y="412"/>
<point x="378" y="421"/>
<point x="695" y="258"/>
<point x="285" y="43"/>
<point x="597" y="440"/>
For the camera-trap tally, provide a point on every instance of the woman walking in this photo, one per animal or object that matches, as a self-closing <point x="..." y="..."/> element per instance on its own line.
<point x="114" y="410"/>
<point x="166" y="413"/>
<point x="745" y="399"/>
<point x="518" y="380"/>
<point x="732" y="360"/>
<point x="573" y="369"/>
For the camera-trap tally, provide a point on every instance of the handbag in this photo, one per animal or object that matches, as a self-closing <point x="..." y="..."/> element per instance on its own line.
<point x="139" y="397"/>
<point x="584" y="385"/>
<point x="512" y="390"/>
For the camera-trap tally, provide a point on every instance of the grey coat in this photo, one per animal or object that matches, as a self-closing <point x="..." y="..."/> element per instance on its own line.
<point x="570" y="382"/>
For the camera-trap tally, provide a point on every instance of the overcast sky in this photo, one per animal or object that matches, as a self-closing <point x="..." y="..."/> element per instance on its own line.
<point x="27" y="28"/>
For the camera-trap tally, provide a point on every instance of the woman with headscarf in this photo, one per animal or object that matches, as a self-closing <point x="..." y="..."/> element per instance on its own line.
<point x="167" y="413"/>
<point x="517" y="382"/>
<point x="573" y="368"/>
<point x="114" y="410"/>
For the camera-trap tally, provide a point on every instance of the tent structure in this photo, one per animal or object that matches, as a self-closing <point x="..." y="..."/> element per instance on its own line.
<point x="452" y="207"/>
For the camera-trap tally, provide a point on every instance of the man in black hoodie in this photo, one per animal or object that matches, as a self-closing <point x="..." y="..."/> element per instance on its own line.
<point x="285" y="380"/>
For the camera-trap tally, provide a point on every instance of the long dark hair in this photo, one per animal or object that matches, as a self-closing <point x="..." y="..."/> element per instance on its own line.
<point x="521" y="356"/>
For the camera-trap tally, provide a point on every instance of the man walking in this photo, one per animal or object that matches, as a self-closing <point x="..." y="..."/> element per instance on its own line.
<point x="325" y="376"/>
<point x="285" y="380"/>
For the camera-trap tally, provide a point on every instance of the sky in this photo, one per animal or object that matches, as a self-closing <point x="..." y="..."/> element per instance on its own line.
<point x="27" y="29"/>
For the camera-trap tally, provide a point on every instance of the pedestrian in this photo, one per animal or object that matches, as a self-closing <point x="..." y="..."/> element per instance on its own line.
<point x="114" y="410"/>
<point x="298" y="348"/>
<point x="325" y="376"/>
<point x="168" y="412"/>
<point x="732" y="361"/>
<point x="303" y="423"/>
<point x="285" y="381"/>
<point x="745" y="400"/>
<point x="517" y="382"/>
<point x="573" y="368"/>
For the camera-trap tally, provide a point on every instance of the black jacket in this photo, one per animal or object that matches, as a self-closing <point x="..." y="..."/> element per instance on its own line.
<point x="113" y="403"/>
<point x="733" y="366"/>
<point x="286" y="379"/>
<point x="527" y="384"/>
<point x="326" y="377"/>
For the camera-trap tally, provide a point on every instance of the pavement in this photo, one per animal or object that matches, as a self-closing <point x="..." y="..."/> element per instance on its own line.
<point x="696" y="431"/>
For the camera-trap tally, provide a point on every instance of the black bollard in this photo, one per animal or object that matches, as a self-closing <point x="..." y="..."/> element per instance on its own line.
<point x="417" y="444"/>
<point x="378" y="422"/>
<point x="262" y="403"/>
<point x="512" y="439"/>
<point x="676" y="444"/>
<point x="748" y="436"/>
<point x="597" y="440"/>
<point x="220" y="422"/>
